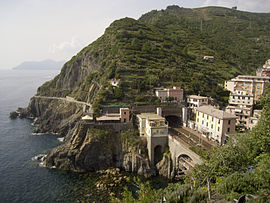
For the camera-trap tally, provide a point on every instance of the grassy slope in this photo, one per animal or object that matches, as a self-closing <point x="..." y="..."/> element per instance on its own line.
<point x="165" y="48"/>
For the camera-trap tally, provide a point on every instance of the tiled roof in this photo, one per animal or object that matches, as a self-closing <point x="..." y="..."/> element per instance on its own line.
<point x="212" y="111"/>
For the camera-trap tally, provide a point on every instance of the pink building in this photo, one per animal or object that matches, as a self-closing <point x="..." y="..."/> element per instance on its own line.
<point x="243" y="114"/>
<point x="177" y="93"/>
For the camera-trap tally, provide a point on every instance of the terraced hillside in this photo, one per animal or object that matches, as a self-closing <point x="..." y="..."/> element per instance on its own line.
<point x="165" y="48"/>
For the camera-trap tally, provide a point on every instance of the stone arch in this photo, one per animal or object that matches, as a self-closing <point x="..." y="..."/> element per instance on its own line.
<point x="184" y="162"/>
<point x="173" y="120"/>
<point x="157" y="154"/>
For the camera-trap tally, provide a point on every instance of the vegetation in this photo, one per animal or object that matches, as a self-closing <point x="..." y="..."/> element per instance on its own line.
<point x="241" y="167"/>
<point x="166" y="48"/>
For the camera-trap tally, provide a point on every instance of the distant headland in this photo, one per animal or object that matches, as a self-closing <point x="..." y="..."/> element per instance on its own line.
<point x="40" y="65"/>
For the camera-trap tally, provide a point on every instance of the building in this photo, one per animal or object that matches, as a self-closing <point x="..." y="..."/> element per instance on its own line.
<point x="209" y="58"/>
<point x="252" y="85"/>
<point x="265" y="70"/>
<point x="151" y="124"/>
<point x="194" y="101"/>
<point x="253" y="121"/>
<point x="175" y="94"/>
<point x="241" y="98"/>
<point x="241" y="105"/>
<point x="122" y="117"/>
<point x="215" y="124"/>
<point x="243" y="114"/>
<point x="154" y="129"/>
<point x="114" y="82"/>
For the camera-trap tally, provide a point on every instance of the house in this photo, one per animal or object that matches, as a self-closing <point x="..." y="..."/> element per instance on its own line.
<point x="265" y="70"/>
<point x="151" y="124"/>
<point x="122" y="117"/>
<point x="241" y="98"/>
<point x="243" y="114"/>
<point x="253" y="121"/>
<point x="195" y="101"/>
<point x="215" y="124"/>
<point x="175" y="93"/>
<point x="252" y="85"/>
<point x="209" y="58"/>
<point x="114" y="82"/>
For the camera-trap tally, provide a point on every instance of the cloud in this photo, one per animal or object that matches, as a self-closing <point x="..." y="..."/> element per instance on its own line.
<point x="246" y="5"/>
<point x="67" y="46"/>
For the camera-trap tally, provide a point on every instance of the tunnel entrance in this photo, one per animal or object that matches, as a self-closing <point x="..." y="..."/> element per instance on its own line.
<point x="174" y="121"/>
<point x="184" y="163"/>
<point x="157" y="154"/>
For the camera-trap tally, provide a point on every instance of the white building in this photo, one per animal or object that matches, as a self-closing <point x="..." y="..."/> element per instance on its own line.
<point x="151" y="124"/>
<point x="195" y="101"/>
<point x="114" y="82"/>
<point x="215" y="124"/>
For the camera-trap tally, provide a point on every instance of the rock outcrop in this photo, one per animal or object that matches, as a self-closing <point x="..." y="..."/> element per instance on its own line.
<point x="165" y="167"/>
<point x="54" y="116"/>
<point x="91" y="149"/>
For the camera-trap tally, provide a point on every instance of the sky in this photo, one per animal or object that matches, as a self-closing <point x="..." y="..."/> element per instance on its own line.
<point x="35" y="30"/>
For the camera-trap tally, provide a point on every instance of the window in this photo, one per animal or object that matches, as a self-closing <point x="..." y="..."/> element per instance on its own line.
<point x="212" y="119"/>
<point x="206" y="124"/>
<point x="207" y="117"/>
<point x="211" y="126"/>
<point x="218" y="121"/>
<point x="228" y="130"/>
<point x="125" y="113"/>
<point x="229" y="122"/>
<point x="202" y="122"/>
<point x="198" y="120"/>
<point x="125" y="120"/>
<point x="218" y="129"/>
<point x="203" y="115"/>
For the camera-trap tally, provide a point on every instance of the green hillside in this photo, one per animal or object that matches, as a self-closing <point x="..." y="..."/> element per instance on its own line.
<point x="165" y="48"/>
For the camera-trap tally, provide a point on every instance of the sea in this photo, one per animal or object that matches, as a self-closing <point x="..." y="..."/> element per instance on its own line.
<point x="22" y="179"/>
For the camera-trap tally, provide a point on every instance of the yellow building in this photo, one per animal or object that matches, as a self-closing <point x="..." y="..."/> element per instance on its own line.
<point x="215" y="124"/>
<point x="151" y="124"/>
<point x="252" y="85"/>
<point x="154" y="129"/>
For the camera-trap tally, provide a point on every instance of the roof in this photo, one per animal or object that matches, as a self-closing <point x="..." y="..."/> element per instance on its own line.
<point x="150" y="116"/>
<point x="252" y="77"/>
<point x="212" y="111"/>
<point x="196" y="97"/>
<point x="109" y="118"/>
<point x="87" y="117"/>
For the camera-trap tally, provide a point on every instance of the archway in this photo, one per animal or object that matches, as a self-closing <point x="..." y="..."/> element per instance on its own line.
<point x="184" y="162"/>
<point x="174" y="121"/>
<point x="157" y="154"/>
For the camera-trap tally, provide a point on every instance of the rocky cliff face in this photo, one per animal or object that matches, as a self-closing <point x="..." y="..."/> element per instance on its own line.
<point x="92" y="149"/>
<point x="55" y="116"/>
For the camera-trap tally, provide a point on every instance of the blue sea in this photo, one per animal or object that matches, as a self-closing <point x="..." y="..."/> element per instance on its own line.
<point x="21" y="178"/>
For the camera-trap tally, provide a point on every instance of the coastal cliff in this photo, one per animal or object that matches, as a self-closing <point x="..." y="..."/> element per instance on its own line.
<point x="91" y="149"/>
<point x="162" y="48"/>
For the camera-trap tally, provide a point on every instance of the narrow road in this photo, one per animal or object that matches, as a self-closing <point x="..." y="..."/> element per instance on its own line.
<point x="65" y="99"/>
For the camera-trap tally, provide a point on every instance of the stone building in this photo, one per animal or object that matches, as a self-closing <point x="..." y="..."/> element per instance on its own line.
<point x="154" y="128"/>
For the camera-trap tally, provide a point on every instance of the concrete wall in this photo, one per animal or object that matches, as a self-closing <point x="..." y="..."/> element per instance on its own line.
<point x="110" y="126"/>
<point x="177" y="149"/>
